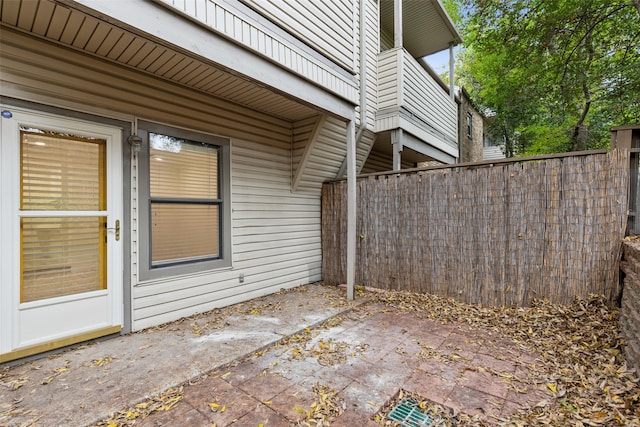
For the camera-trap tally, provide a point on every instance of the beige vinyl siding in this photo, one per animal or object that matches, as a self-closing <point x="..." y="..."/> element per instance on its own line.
<point x="404" y="84"/>
<point x="276" y="242"/>
<point x="386" y="41"/>
<point x="326" y="25"/>
<point x="326" y="156"/>
<point x="63" y="77"/>
<point x="369" y="77"/>
<point x="363" y="150"/>
<point x="275" y="234"/>
<point x="425" y="98"/>
<point x="82" y="32"/>
<point x="302" y="132"/>
<point x="492" y="153"/>
<point x="372" y="45"/>
<point x="326" y="54"/>
<point x="380" y="162"/>
<point x="389" y="79"/>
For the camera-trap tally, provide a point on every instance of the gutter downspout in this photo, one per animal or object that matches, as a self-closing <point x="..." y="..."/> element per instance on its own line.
<point x="363" y="89"/>
<point x="350" y="161"/>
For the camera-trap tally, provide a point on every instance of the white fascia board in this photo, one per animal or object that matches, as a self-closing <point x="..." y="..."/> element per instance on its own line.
<point x="422" y="147"/>
<point x="393" y="120"/>
<point x="160" y="24"/>
<point x="429" y="138"/>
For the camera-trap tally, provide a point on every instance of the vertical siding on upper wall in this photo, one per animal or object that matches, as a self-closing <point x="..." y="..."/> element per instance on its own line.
<point x="326" y="25"/>
<point x="275" y="234"/>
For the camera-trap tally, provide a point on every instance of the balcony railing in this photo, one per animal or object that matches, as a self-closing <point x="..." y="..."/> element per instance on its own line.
<point x="409" y="98"/>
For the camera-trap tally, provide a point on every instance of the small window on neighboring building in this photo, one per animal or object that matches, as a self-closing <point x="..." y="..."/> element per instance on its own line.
<point x="184" y="211"/>
<point x="469" y="125"/>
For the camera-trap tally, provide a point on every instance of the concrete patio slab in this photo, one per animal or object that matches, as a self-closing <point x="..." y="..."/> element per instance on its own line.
<point x="86" y="383"/>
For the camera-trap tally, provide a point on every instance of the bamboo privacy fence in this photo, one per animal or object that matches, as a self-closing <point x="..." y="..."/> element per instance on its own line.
<point x="494" y="234"/>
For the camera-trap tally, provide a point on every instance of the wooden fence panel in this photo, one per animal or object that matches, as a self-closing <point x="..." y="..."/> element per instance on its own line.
<point x="492" y="234"/>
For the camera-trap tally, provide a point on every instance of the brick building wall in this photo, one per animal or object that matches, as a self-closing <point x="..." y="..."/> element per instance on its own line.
<point x="630" y="305"/>
<point x="470" y="145"/>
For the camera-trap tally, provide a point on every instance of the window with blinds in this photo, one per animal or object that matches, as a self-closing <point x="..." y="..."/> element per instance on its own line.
<point x="184" y="198"/>
<point x="62" y="224"/>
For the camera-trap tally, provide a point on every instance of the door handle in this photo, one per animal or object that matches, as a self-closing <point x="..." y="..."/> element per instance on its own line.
<point x="116" y="229"/>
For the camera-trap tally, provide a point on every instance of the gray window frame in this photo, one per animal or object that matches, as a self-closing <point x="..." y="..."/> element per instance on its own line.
<point x="146" y="270"/>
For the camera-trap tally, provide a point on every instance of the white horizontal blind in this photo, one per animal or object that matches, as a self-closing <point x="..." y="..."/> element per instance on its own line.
<point x="64" y="177"/>
<point x="61" y="172"/>
<point x="182" y="232"/>
<point x="61" y="256"/>
<point x="181" y="168"/>
<point x="185" y="205"/>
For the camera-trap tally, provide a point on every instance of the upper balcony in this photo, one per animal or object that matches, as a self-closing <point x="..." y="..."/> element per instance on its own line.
<point x="410" y="98"/>
<point x="415" y="109"/>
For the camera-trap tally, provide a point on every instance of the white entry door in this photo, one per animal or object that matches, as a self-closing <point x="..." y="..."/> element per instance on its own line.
<point x="61" y="219"/>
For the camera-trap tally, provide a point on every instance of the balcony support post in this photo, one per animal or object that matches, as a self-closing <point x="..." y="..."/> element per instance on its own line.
<point x="396" y="141"/>
<point x="397" y="23"/>
<point x="351" y="208"/>
<point x="451" y="70"/>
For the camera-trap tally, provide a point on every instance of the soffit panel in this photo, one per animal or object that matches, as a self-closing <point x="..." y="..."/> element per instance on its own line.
<point x="383" y="146"/>
<point x="74" y="29"/>
<point x="426" y="26"/>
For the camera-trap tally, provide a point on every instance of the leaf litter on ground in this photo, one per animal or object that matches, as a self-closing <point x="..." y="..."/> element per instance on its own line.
<point x="579" y="362"/>
<point x="326" y="407"/>
<point x="164" y="401"/>
<point x="579" y="356"/>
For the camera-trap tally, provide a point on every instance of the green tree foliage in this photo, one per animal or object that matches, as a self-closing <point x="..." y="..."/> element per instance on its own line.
<point x="557" y="73"/>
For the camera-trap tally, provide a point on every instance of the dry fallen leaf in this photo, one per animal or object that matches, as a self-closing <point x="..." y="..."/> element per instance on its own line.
<point x="577" y="348"/>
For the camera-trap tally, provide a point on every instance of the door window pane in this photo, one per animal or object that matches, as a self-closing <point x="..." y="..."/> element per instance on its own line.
<point x="61" y="172"/>
<point x="62" y="256"/>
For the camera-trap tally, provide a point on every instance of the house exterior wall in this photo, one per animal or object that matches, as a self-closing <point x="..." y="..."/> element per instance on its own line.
<point x="492" y="153"/>
<point x="327" y="25"/>
<point x="471" y="149"/>
<point x="372" y="48"/>
<point x="327" y="60"/>
<point x="379" y="162"/>
<point x="630" y="303"/>
<point x="279" y="80"/>
<point x="409" y="98"/>
<point x="275" y="233"/>
<point x="322" y="156"/>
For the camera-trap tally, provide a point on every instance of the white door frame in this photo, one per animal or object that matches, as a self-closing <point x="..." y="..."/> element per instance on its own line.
<point x="15" y="334"/>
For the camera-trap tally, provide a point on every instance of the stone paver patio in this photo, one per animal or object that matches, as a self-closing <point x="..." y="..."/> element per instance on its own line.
<point x="372" y="353"/>
<point x="257" y="363"/>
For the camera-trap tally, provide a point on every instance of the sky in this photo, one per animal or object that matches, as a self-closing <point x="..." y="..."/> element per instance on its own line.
<point x="440" y="61"/>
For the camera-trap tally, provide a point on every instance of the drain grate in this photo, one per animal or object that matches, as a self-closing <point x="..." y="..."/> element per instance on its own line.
<point x="409" y="414"/>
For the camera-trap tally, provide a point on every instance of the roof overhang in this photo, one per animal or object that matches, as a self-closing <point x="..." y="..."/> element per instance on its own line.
<point x="177" y="50"/>
<point x="427" y="28"/>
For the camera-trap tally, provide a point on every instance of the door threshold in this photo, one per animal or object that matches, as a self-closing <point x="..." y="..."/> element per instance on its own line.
<point x="63" y="342"/>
